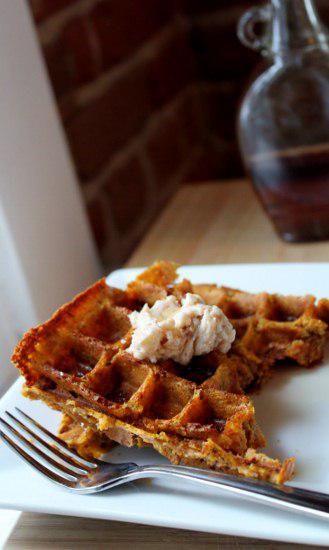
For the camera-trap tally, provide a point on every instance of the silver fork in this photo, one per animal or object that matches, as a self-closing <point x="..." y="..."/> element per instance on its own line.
<point x="63" y="466"/>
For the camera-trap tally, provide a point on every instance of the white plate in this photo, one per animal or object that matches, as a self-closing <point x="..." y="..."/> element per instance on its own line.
<point x="292" y="409"/>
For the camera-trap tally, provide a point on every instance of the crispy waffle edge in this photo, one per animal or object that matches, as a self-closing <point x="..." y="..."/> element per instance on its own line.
<point x="24" y="349"/>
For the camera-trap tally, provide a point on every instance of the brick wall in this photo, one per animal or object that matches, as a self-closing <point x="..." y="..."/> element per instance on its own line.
<point x="147" y="91"/>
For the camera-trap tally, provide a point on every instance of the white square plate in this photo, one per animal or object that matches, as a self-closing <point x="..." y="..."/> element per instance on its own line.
<point x="292" y="409"/>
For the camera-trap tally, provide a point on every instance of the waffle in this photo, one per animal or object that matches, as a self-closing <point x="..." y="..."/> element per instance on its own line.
<point x="80" y="436"/>
<point x="272" y="330"/>
<point x="272" y="326"/>
<point x="77" y="363"/>
<point x="192" y="451"/>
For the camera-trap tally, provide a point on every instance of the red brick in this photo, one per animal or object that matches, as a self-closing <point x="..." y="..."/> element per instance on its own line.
<point x="192" y="117"/>
<point x="78" y="40"/>
<point x="204" y="167"/>
<point x="215" y="163"/>
<point x="220" y="53"/>
<point x="67" y="106"/>
<point x="222" y="103"/>
<point x="123" y="25"/>
<point x="197" y="7"/>
<point x="231" y="167"/>
<point x="71" y="58"/>
<point x="105" y="125"/>
<point x="59" y="73"/>
<point x="42" y="9"/>
<point x="172" y="68"/>
<point x="126" y="189"/>
<point x="324" y="11"/>
<point x="165" y="149"/>
<point x="96" y="215"/>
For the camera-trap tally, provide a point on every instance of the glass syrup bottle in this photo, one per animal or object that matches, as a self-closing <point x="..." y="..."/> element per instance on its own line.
<point x="284" y="118"/>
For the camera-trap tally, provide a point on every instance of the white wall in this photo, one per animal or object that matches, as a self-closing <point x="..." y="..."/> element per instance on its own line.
<point x="46" y="251"/>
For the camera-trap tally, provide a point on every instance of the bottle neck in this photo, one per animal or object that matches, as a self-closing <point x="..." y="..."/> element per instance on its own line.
<point x="296" y="26"/>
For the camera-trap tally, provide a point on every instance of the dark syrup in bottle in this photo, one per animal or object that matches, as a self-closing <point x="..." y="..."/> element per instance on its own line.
<point x="293" y="186"/>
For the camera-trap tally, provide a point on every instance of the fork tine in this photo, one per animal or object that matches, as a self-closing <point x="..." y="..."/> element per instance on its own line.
<point x="62" y="455"/>
<point x="59" y="442"/>
<point x="28" y="445"/>
<point x="50" y="474"/>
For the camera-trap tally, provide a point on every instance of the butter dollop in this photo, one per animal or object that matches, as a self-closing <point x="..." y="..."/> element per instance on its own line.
<point x="179" y="329"/>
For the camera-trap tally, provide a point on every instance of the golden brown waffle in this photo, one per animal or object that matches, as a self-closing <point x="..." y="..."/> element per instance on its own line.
<point x="270" y="329"/>
<point x="80" y="436"/>
<point x="202" y="453"/>
<point x="77" y="363"/>
<point x="323" y="310"/>
<point x="272" y="326"/>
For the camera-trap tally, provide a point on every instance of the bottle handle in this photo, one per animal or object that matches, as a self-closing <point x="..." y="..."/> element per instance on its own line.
<point x="246" y="28"/>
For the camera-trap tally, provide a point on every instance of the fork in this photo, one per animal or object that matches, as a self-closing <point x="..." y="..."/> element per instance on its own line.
<point x="62" y="465"/>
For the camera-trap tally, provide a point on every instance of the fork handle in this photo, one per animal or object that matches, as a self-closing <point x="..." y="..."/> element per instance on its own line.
<point x="280" y="496"/>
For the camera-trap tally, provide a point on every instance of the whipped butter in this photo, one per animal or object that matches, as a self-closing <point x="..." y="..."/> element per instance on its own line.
<point x="178" y="330"/>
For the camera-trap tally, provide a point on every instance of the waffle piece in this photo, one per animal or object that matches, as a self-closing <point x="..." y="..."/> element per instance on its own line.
<point x="80" y="436"/>
<point x="272" y="326"/>
<point x="239" y="371"/>
<point x="323" y="310"/>
<point x="202" y="453"/>
<point x="77" y="363"/>
<point x="157" y="282"/>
